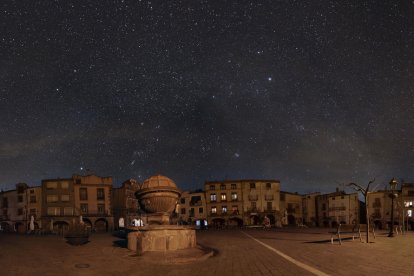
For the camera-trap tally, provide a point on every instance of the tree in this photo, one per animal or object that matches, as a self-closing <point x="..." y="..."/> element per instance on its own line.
<point x="364" y="192"/>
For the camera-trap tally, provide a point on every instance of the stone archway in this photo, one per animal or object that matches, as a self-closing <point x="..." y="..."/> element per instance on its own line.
<point x="5" y="227"/>
<point x="218" y="222"/>
<point x="291" y="220"/>
<point x="20" y="227"/>
<point x="101" y="225"/>
<point x="236" y="222"/>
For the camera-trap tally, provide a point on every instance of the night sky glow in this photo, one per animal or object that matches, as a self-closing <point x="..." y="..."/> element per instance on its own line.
<point x="313" y="93"/>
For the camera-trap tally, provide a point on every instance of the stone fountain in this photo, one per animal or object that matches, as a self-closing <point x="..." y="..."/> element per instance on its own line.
<point x="158" y="197"/>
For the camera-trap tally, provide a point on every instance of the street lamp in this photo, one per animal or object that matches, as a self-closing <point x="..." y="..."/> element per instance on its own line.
<point x="393" y="184"/>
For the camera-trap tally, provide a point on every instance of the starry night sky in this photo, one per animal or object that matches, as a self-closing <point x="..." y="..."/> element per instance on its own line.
<point x="313" y="93"/>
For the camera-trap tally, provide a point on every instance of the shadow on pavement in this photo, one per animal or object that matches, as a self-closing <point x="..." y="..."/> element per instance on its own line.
<point x="120" y="243"/>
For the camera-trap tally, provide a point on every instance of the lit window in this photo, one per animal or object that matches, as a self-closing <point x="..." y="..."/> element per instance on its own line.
<point x="223" y="197"/>
<point x="410" y="213"/>
<point x="224" y="209"/>
<point x="213" y="210"/>
<point x="213" y="197"/>
<point x="233" y="196"/>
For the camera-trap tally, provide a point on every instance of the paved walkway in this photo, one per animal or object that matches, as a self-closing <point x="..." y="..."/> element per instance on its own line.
<point x="247" y="252"/>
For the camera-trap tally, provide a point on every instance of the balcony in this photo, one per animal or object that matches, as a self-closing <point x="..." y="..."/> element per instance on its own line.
<point x="268" y="197"/>
<point x="253" y="197"/>
<point x="342" y="208"/>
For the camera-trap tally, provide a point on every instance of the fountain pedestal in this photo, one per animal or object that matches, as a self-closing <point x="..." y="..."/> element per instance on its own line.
<point x="161" y="238"/>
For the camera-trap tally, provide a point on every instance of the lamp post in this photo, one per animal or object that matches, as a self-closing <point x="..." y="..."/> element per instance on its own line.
<point x="393" y="184"/>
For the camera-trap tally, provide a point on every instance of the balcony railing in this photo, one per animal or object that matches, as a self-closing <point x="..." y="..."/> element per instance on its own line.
<point x="342" y="208"/>
<point x="253" y="197"/>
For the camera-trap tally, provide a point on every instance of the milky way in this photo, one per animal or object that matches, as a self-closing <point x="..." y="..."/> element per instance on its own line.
<point x="313" y="94"/>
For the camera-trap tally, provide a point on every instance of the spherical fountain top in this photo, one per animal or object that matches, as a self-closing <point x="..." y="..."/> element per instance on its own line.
<point x="158" y="194"/>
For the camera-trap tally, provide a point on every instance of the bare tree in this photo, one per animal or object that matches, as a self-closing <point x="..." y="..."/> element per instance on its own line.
<point x="364" y="192"/>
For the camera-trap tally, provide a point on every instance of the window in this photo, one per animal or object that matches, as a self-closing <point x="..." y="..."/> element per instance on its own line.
<point x="20" y="189"/>
<point x="78" y="181"/>
<point x="223" y="197"/>
<point x="252" y="185"/>
<point x="192" y="212"/>
<point x="182" y="211"/>
<point x="200" y="210"/>
<point x="83" y="194"/>
<point x="101" y="209"/>
<point x="20" y="198"/>
<point x="51" y="185"/>
<point x="234" y="196"/>
<point x="100" y="194"/>
<point x="235" y="210"/>
<point x="64" y="185"/>
<point x="182" y="200"/>
<point x="68" y="211"/>
<point x="323" y="206"/>
<point x="64" y="198"/>
<point x="408" y="204"/>
<point x="84" y="208"/>
<point x="31" y="191"/>
<point x="253" y="205"/>
<point x="212" y="187"/>
<point x="52" y="198"/>
<point x="282" y="197"/>
<point x="5" y="203"/>
<point x="4" y="212"/>
<point x="410" y="193"/>
<point x="222" y="187"/>
<point x="269" y="205"/>
<point x="32" y="212"/>
<point x="53" y="211"/>
<point x="233" y="186"/>
<point x="268" y="186"/>
<point x="33" y="199"/>
<point x="20" y="211"/>
<point x="213" y="197"/>
<point x="410" y="213"/>
<point x="214" y="210"/>
<point x="224" y="210"/>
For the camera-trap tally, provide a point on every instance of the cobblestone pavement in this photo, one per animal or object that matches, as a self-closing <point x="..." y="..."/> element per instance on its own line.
<point x="238" y="252"/>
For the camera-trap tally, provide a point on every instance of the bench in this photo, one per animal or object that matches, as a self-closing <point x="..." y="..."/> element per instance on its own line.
<point x="351" y="229"/>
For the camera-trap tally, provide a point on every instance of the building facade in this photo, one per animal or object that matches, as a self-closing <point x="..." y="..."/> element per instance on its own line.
<point x="93" y="196"/>
<point x="13" y="207"/>
<point x="124" y="203"/>
<point x="193" y="209"/>
<point x="224" y="203"/>
<point x="309" y="209"/>
<point x="291" y="208"/>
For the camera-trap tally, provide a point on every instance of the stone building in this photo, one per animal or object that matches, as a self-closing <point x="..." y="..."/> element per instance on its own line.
<point x="193" y="209"/>
<point x="407" y="198"/>
<point x="124" y="203"/>
<point x="260" y="199"/>
<point x="343" y="208"/>
<point x="224" y="203"/>
<point x="13" y="209"/>
<point x="242" y="202"/>
<point x="34" y="206"/>
<point x="309" y="209"/>
<point x="58" y="204"/>
<point x="92" y="199"/>
<point x="291" y="208"/>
